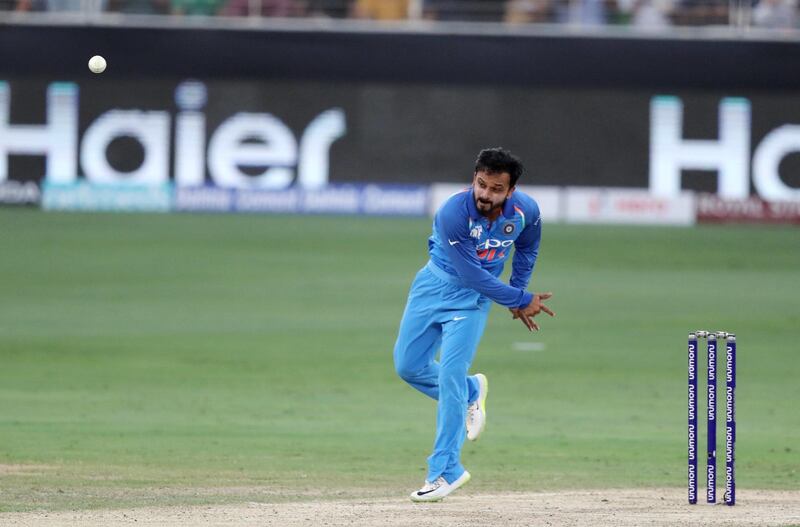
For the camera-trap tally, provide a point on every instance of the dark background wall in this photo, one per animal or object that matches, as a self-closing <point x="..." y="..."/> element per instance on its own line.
<point x="533" y="61"/>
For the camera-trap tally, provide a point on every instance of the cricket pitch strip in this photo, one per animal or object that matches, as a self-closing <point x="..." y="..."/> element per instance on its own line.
<point x="617" y="507"/>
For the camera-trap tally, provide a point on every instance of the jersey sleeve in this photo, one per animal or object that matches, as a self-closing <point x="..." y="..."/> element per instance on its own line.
<point x="453" y="231"/>
<point x="526" y="249"/>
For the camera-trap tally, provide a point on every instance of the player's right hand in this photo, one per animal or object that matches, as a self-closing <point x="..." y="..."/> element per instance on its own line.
<point x="536" y="306"/>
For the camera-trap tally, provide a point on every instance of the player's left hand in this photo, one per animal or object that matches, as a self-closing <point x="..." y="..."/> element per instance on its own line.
<point x="527" y="320"/>
<point x="536" y="306"/>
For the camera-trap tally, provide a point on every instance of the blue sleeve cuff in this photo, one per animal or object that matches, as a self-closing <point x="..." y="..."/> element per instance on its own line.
<point x="527" y="298"/>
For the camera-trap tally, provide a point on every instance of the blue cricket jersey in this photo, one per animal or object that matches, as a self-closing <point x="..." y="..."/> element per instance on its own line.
<point x="468" y="246"/>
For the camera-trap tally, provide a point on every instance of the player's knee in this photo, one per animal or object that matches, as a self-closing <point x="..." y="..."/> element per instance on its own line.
<point x="405" y="371"/>
<point x="404" y="368"/>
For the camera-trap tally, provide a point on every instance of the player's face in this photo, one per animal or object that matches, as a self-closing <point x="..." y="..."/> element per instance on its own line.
<point x="491" y="191"/>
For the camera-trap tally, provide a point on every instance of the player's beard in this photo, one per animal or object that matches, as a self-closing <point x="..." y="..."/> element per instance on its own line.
<point x="486" y="207"/>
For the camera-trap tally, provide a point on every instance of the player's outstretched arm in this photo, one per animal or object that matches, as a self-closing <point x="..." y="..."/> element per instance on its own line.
<point x="536" y="306"/>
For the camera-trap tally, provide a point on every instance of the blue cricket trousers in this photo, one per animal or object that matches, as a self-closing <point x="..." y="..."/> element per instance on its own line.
<point x="441" y="313"/>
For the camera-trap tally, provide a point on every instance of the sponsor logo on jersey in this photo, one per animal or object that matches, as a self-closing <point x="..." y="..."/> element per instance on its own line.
<point x="492" y="243"/>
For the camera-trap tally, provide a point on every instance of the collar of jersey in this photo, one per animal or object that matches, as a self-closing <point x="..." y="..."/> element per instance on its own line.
<point x="508" y="207"/>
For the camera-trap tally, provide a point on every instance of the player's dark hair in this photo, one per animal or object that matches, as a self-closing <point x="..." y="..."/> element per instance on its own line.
<point x="497" y="160"/>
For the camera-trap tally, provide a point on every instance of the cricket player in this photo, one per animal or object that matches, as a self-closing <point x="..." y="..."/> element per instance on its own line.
<point x="449" y="302"/>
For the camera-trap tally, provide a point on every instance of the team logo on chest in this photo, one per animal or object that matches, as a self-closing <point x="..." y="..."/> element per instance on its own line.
<point x="476" y="232"/>
<point x="508" y="228"/>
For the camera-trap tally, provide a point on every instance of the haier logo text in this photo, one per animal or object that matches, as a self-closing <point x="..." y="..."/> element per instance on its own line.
<point x="728" y="155"/>
<point x="242" y="144"/>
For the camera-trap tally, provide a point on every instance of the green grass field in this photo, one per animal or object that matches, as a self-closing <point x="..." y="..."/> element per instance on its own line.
<point x="194" y="354"/>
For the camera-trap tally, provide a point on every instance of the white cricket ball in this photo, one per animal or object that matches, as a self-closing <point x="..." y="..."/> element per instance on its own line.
<point x="97" y="64"/>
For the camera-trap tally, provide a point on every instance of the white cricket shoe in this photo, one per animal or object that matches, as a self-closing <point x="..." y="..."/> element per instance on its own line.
<point x="439" y="489"/>
<point x="476" y="412"/>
